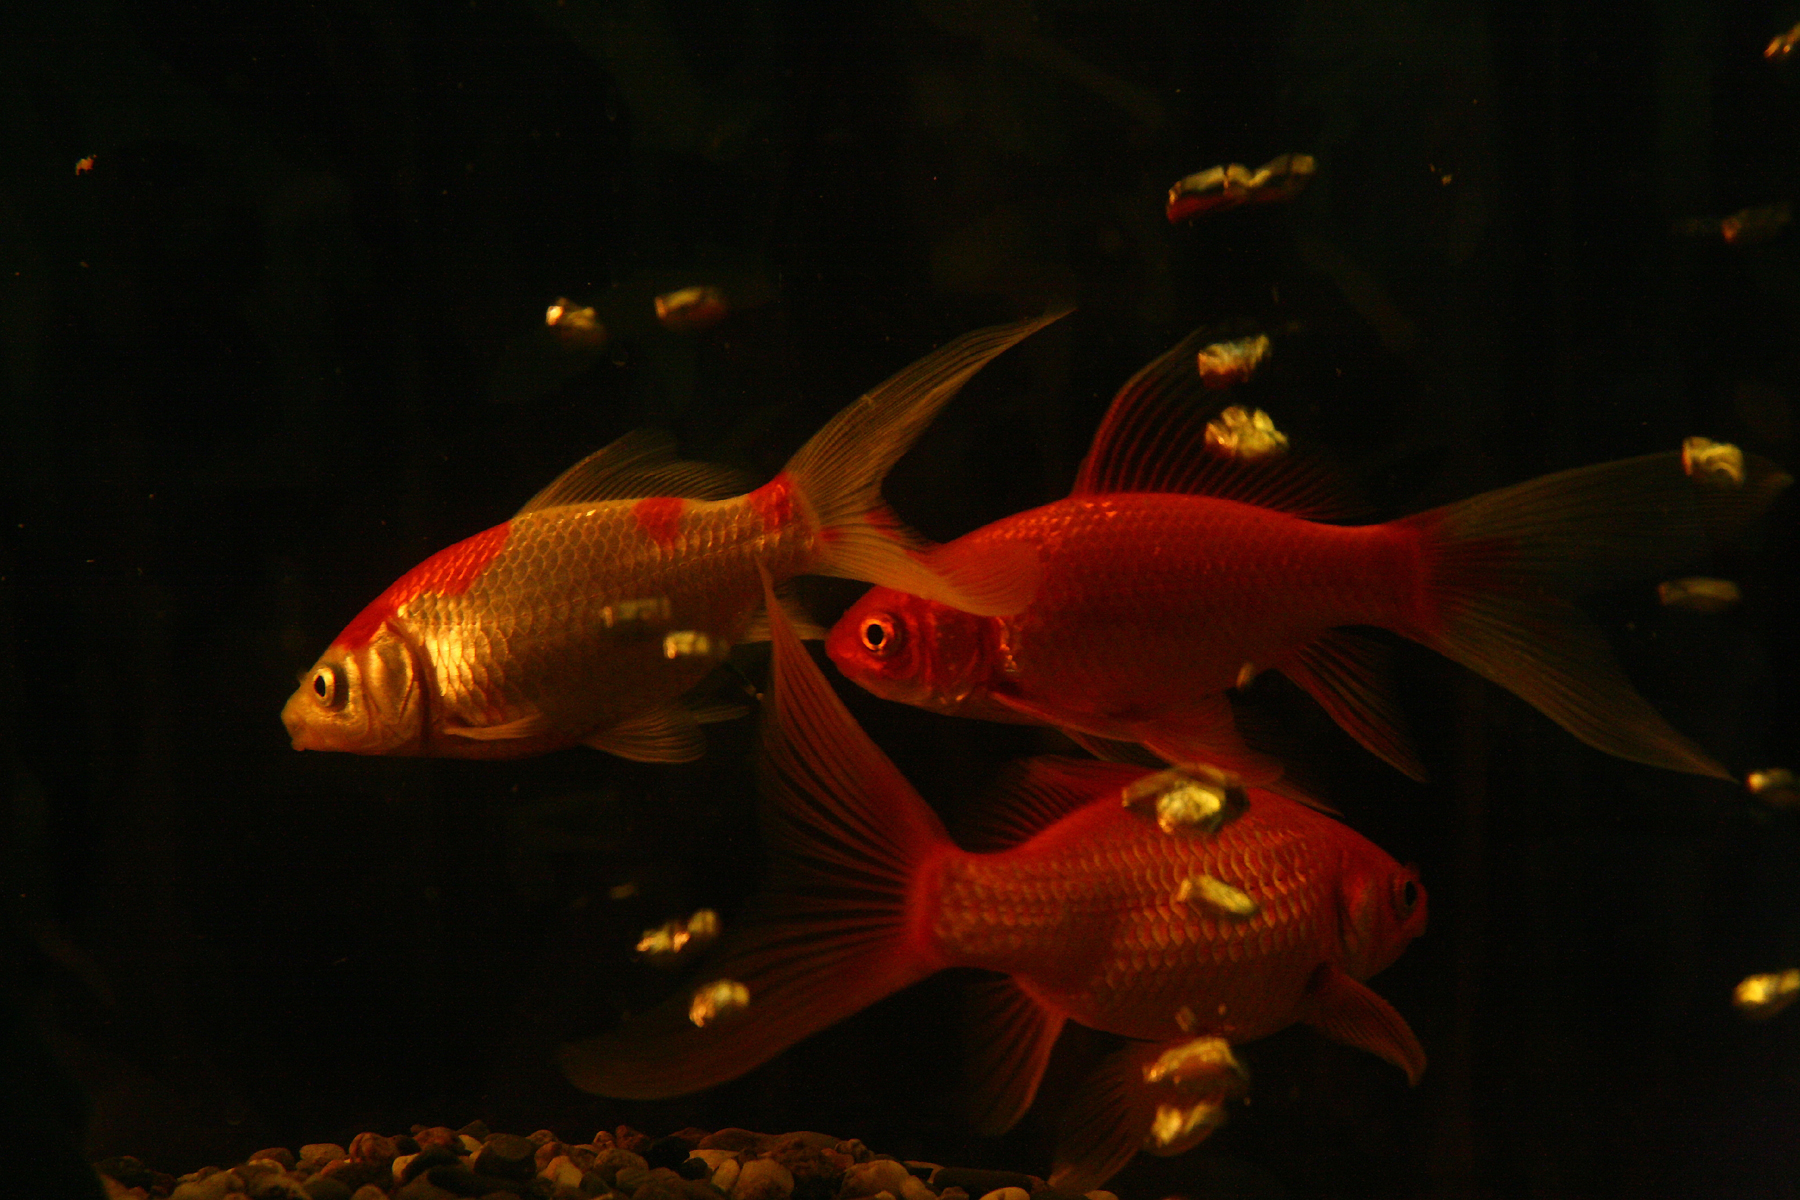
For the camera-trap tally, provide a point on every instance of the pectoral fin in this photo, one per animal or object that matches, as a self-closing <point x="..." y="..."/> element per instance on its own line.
<point x="530" y="725"/>
<point x="669" y="734"/>
<point x="1347" y="1011"/>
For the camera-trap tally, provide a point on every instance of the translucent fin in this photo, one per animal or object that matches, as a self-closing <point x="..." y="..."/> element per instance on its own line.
<point x="1113" y="1115"/>
<point x="668" y="735"/>
<point x="1113" y="751"/>
<point x="839" y="472"/>
<point x="529" y="726"/>
<point x="1153" y="439"/>
<point x="1500" y="567"/>
<point x="831" y="935"/>
<point x="642" y="463"/>
<point x="1348" y="1012"/>
<point x="1033" y="795"/>
<point x="805" y="628"/>
<point x="1347" y="674"/>
<point x="1010" y="1039"/>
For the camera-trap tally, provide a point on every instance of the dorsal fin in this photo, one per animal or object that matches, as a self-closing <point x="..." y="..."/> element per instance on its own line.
<point x="1153" y="439"/>
<point x="642" y="463"/>
<point x="1031" y="796"/>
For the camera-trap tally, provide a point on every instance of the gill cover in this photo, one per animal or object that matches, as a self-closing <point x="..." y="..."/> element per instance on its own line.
<point x="365" y="701"/>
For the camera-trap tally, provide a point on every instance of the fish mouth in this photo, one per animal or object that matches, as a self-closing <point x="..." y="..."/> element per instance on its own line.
<point x="299" y="733"/>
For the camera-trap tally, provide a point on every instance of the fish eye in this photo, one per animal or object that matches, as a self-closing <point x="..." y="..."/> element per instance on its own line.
<point x="1406" y="896"/>
<point x="328" y="686"/>
<point x="880" y="635"/>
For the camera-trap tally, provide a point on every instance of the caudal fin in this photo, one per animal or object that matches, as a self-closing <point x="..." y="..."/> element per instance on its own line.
<point x="839" y="472"/>
<point x="833" y="933"/>
<point x="1500" y="570"/>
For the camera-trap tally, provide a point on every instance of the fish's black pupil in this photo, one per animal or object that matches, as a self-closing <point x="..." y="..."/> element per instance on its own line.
<point x="322" y="686"/>
<point x="875" y="635"/>
<point x="1409" y="895"/>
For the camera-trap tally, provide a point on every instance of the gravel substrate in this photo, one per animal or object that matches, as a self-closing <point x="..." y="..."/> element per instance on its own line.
<point x="692" y="1164"/>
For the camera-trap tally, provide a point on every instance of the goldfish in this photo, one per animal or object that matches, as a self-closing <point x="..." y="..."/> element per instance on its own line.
<point x="1075" y="904"/>
<point x="1782" y="45"/>
<point x="692" y="308"/>
<point x="1216" y="188"/>
<point x="587" y="616"/>
<point x="1176" y="571"/>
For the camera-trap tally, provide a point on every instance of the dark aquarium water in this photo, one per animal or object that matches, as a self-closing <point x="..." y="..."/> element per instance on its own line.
<point x="273" y="294"/>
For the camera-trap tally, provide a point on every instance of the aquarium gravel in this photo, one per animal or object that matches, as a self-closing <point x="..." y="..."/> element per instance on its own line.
<point x="433" y="1163"/>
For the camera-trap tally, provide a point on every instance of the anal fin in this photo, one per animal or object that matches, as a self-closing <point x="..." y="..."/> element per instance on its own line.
<point x="1010" y="1039"/>
<point x="1347" y="1011"/>
<point x="670" y="735"/>
<point x="1121" y="1108"/>
<point x="1346" y="673"/>
<point x="532" y="724"/>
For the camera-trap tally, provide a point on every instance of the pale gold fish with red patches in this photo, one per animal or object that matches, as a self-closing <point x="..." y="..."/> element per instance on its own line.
<point x="621" y="585"/>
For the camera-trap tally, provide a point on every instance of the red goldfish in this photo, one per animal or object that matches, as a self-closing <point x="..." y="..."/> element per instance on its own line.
<point x="623" y="583"/>
<point x="1176" y="571"/>
<point x="1095" y="915"/>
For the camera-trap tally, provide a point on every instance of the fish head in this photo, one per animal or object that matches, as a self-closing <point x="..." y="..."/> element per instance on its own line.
<point x="916" y="651"/>
<point x="360" y="699"/>
<point x="1384" y="909"/>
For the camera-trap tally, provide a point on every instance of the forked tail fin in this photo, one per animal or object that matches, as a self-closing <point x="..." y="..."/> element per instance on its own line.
<point x="835" y="931"/>
<point x="1500" y="570"/>
<point x="838" y="475"/>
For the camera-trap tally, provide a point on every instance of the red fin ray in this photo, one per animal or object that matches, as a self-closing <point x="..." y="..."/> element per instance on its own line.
<point x="1033" y="795"/>
<point x="1010" y="1037"/>
<point x="1153" y="439"/>
<point x="1347" y="673"/>
<point x="1347" y="1011"/>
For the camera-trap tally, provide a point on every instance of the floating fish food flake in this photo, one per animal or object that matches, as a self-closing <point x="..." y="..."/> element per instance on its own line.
<point x="1204" y="889"/>
<point x="1246" y="434"/>
<point x="84" y="165"/>
<point x="1205" y="1064"/>
<point x="1193" y="799"/>
<point x="1775" y="786"/>
<point x="716" y="1000"/>
<point x="691" y="308"/>
<point x="691" y="643"/>
<point x="1175" y="1124"/>
<point x="575" y="325"/>
<point x="671" y="939"/>
<point x="1219" y="188"/>
<point x="1698" y="594"/>
<point x="1760" y="997"/>
<point x="1782" y="45"/>
<point x="1225" y="363"/>
<point x="1718" y="463"/>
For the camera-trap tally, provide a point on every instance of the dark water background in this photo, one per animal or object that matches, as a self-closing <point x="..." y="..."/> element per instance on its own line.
<point x="286" y="338"/>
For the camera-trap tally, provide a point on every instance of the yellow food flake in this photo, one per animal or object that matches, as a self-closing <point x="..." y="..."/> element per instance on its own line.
<point x="1247" y="434"/>
<point x="1718" y="463"/>
<point x="718" y="999"/>
<point x="1204" y="889"/>
<point x="1762" y="996"/>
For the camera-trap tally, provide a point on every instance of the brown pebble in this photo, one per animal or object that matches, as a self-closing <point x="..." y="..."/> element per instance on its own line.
<point x="763" y="1179"/>
<point x="373" y="1148"/>
<point x="354" y="1173"/>
<point x="316" y="1154"/>
<point x="738" y="1141"/>
<point x="506" y="1156"/>
<point x="627" y="1138"/>
<point x="369" y="1192"/>
<point x="547" y="1151"/>
<point x="422" y="1188"/>
<point x="476" y="1129"/>
<point x="584" y="1156"/>
<point x="539" y="1137"/>
<point x="280" y="1154"/>
<point x="608" y="1165"/>
<point x="438" y="1135"/>
<point x="603" y="1141"/>
<point x="693" y="1135"/>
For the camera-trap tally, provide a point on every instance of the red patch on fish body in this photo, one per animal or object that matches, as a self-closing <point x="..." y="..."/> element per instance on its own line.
<point x="449" y="572"/>
<point x="774" y="502"/>
<point x="660" y="517"/>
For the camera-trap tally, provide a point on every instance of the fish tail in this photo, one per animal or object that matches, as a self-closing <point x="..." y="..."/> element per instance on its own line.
<point x="838" y="475"/>
<point x="839" y="926"/>
<point x="1500" y="570"/>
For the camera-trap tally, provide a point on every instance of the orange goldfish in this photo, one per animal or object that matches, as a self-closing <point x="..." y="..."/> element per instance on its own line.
<point x="1176" y="571"/>
<point x="1091" y="916"/>
<point x="624" y="582"/>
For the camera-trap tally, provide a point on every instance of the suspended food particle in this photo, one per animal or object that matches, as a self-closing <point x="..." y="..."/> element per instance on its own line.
<point x="1698" y="594"/>
<point x="1718" y="463"/>
<point x="1219" y="188"/>
<point x="1204" y="889"/>
<point x="84" y="165"/>
<point x="1176" y="1124"/>
<point x="1775" y="786"/>
<point x="718" y="999"/>
<point x="1245" y="434"/>
<point x="690" y="643"/>
<point x="1246" y="675"/>
<point x="1193" y="799"/>
<point x="671" y="939"/>
<point x="1205" y="1064"/>
<point x="1760" y="997"/>
<point x="1782" y="45"/>
<point x="1225" y="363"/>
<point x="575" y="326"/>
<point x="627" y="613"/>
<point x="622" y="891"/>
<point x="691" y="308"/>
<point x="1748" y="226"/>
